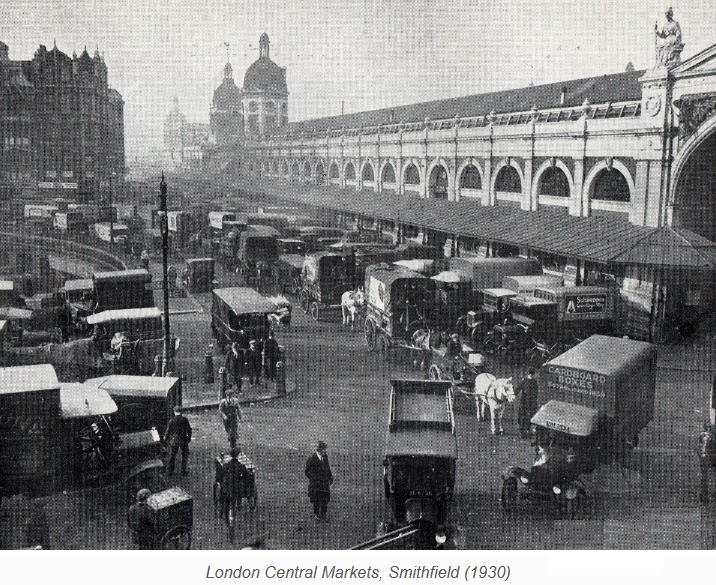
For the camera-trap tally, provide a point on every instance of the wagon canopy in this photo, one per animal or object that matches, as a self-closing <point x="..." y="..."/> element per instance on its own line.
<point x="83" y="401"/>
<point x="20" y="379"/>
<point x="317" y="265"/>
<point x="451" y="277"/>
<point x="78" y="284"/>
<point x="418" y="265"/>
<point x="137" y="274"/>
<point x="134" y="386"/>
<point x="124" y="315"/>
<point x="387" y="284"/>
<point x="244" y="300"/>
<point x="572" y="419"/>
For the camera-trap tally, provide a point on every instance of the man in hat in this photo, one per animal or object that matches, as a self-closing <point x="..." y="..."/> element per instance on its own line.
<point x="230" y="411"/>
<point x="233" y="479"/>
<point x="177" y="436"/>
<point x="320" y="478"/>
<point x="272" y="354"/>
<point x="453" y="351"/>
<point x="234" y="365"/>
<point x="141" y="521"/>
<point x="527" y="390"/>
<point x="253" y="362"/>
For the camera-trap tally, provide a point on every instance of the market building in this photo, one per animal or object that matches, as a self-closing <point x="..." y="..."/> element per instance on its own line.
<point x="604" y="179"/>
<point x="61" y="127"/>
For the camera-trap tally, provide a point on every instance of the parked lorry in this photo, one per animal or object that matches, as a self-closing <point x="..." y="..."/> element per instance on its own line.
<point x="123" y="289"/>
<point x="70" y="222"/>
<point x="106" y="232"/>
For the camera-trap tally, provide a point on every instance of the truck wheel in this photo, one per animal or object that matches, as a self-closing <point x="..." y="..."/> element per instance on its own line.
<point x="509" y="495"/>
<point x="369" y="333"/>
<point x="315" y="311"/>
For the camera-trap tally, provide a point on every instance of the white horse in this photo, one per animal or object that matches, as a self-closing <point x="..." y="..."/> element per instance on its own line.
<point x="494" y="393"/>
<point x="352" y="302"/>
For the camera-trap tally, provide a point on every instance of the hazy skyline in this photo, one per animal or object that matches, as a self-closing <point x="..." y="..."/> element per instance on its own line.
<point x="367" y="53"/>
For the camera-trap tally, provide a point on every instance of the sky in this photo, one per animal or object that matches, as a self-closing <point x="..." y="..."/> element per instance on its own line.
<point x="365" y="53"/>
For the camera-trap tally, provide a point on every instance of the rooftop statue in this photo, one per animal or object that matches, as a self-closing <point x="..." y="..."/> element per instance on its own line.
<point x="668" y="42"/>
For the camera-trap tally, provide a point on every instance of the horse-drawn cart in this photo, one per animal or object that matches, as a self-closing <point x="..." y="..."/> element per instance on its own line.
<point x="172" y="519"/>
<point x="325" y="276"/>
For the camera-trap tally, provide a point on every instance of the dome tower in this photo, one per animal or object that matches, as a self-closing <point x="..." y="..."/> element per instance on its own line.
<point x="225" y="116"/>
<point x="265" y="94"/>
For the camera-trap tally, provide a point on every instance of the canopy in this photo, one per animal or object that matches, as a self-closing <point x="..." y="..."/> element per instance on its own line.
<point x="451" y="276"/>
<point x="565" y="417"/>
<point x="78" y="284"/>
<point x="121" y="385"/>
<point x="18" y="379"/>
<point x="124" y="314"/>
<point x="499" y="292"/>
<point x="123" y="275"/>
<point x="15" y="314"/>
<point x="82" y="401"/>
<point x="671" y="248"/>
<point x="245" y="300"/>
<point x="418" y="265"/>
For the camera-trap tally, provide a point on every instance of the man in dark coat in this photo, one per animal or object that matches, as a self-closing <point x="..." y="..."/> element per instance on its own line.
<point x="272" y="353"/>
<point x="230" y="411"/>
<point x="233" y="480"/>
<point x="320" y="478"/>
<point x="177" y="436"/>
<point x="141" y="522"/>
<point x="253" y="362"/>
<point x="528" y="393"/>
<point x="234" y="365"/>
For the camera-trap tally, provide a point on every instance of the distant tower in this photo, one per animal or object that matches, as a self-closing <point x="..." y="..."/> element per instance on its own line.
<point x="226" y="117"/>
<point x="265" y="94"/>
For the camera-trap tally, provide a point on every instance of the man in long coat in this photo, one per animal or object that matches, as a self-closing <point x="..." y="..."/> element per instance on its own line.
<point x="320" y="478"/>
<point x="234" y="365"/>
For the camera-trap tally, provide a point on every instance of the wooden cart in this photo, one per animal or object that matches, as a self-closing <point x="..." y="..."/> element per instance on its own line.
<point x="173" y="512"/>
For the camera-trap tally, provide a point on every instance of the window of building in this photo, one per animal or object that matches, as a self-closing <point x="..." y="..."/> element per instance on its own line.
<point x="320" y="174"/>
<point x="412" y="175"/>
<point x="350" y="172"/>
<point x="334" y="172"/>
<point x="367" y="174"/>
<point x="553" y="183"/>
<point x="296" y="170"/>
<point x="508" y="180"/>
<point x="388" y="174"/>
<point x="307" y="169"/>
<point x="610" y="185"/>
<point x="439" y="182"/>
<point x="470" y="178"/>
<point x="284" y="168"/>
<point x="253" y="107"/>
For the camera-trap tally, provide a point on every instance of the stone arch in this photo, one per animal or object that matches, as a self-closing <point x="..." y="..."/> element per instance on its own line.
<point x="411" y="174"/>
<point x="274" y="166"/>
<point x="439" y="181"/>
<point x="307" y="170"/>
<point x="334" y="172"/>
<point x="468" y="165"/>
<point x="545" y="170"/>
<point x="285" y="168"/>
<point x="349" y="171"/>
<point x="498" y="175"/>
<point x="320" y="173"/>
<point x="367" y="172"/>
<point x="387" y="173"/>
<point x="296" y="169"/>
<point x="703" y="133"/>
<point x="597" y="172"/>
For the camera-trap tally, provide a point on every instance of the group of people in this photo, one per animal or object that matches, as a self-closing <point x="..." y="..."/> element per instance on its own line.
<point x="251" y="358"/>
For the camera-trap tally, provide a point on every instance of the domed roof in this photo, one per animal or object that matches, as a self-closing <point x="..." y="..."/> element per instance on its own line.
<point x="265" y="75"/>
<point x="227" y="94"/>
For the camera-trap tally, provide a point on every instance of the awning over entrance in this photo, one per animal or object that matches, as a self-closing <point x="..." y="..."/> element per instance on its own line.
<point x="671" y="248"/>
<point x="599" y="239"/>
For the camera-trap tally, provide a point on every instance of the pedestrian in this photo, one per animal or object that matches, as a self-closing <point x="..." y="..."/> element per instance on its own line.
<point x="232" y="481"/>
<point x="144" y="259"/>
<point x="141" y="521"/>
<point x="234" y="366"/>
<point x="272" y="354"/>
<point x="527" y="391"/>
<point x="707" y="459"/>
<point x="230" y="411"/>
<point x="177" y="436"/>
<point x="320" y="478"/>
<point x="253" y="362"/>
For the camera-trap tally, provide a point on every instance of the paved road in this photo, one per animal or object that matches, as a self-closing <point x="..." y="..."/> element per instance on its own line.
<point x="341" y="397"/>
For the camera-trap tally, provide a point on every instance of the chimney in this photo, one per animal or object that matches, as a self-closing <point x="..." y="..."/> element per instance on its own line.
<point x="563" y="96"/>
<point x="4" y="52"/>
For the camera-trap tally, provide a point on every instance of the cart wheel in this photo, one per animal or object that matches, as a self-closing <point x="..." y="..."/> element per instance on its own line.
<point x="315" y="313"/>
<point x="369" y="332"/>
<point x="383" y="345"/>
<point x="177" y="538"/>
<point x="509" y="495"/>
<point x="434" y="373"/>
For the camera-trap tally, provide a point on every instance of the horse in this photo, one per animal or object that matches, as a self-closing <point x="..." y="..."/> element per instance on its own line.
<point x="495" y="393"/>
<point x="352" y="302"/>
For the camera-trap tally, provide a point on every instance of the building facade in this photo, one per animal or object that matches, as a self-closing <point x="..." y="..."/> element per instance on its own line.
<point x="184" y="141"/>
<point x="61" y="127"/>
<point x="635" y="150"/>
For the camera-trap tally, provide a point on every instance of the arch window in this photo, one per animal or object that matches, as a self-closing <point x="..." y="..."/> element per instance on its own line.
<point x="412" y="175"/>
<point x="368" y="174"/>
<point x="508" y="180"/>
<point x="388" y="174"/>
<point x="284" y="168"/>
<point x="307" y="169"/>
<point x="350" y="172"/>
<point x="320" y="174"/>
<point x="610" y="185"/>
<point x="470" y="178"/>
<point x="296" y="170"/>
<point x="334" y="173"/>
<point x="275" y="167"/>
<point x="439" y="182"/>
<point x="253" y="107"/>
<point x="553" y="183"/>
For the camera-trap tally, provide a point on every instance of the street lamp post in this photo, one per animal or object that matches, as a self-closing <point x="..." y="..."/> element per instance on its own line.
<point x="167" y="357"/>
<point x="111" y="209"/>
